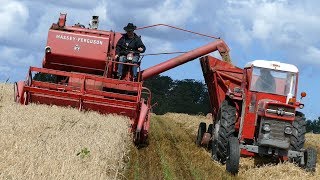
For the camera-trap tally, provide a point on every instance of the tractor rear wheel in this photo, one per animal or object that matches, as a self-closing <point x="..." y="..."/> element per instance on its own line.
<point x="310" y="159"/>
<point x="201" y="130"/>
<point x="233" y="156"/>
<point x="298" y="134"/>
<point x="223" y="130"/>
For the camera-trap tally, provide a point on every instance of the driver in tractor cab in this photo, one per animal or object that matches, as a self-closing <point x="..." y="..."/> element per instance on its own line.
<point x="129" y="42"/>
<point x="265" y="82"/>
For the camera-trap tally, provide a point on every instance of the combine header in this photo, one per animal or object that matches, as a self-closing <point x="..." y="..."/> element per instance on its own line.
<point x="81" y="72"/>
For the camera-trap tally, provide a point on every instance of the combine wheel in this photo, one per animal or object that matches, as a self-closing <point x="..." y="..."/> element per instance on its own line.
<point x="223" y="130"/>
<point x="201" y="130"/>
<point x="233" y="156"/>
<point x="310" y="159"/>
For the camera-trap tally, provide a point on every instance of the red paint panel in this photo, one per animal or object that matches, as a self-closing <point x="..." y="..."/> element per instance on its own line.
<point x="84" y="50"/>
<point x="110" y="109"/>
<point x="216" y="73"/>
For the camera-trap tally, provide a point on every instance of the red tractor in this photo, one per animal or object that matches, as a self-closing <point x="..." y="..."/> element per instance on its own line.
<point x="255" y="112"/>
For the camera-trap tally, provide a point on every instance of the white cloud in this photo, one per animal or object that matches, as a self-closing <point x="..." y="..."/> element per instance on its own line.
<point x="155" y="45"/>
<point x="279" y="26"/>
<point x="177" y="12"/>
<point x="312" y="55"/>
<point x="13" y="15"/>
<point x="18" y="57"/>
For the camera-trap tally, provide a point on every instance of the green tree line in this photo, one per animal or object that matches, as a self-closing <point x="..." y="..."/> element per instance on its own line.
<point x="181" y="96"/>
<point x="313" y="125"/>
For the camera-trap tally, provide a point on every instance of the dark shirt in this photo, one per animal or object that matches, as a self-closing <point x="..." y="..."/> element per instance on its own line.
<point x="126" y="44"/>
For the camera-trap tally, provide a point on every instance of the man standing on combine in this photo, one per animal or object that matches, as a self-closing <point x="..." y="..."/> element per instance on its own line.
<point x="129" y="42"/>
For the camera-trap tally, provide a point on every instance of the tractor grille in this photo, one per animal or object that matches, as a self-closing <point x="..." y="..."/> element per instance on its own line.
<point x="280" y="110"/>
<point x="276" y="137"/>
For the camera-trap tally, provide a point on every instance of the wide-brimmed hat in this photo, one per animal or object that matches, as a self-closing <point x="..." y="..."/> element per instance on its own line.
<point x="130" y="27"/>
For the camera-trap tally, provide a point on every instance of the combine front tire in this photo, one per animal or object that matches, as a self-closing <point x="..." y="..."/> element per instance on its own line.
<point x="233" y="156"/>
<point x="201" y="130"/>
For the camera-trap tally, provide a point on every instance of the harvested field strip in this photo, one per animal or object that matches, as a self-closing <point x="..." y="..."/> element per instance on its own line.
<point x="172" y="154"/>
<point x="49" y="142"/>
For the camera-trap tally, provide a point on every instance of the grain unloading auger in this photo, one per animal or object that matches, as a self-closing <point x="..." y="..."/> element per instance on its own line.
<point x="79" y="70"/>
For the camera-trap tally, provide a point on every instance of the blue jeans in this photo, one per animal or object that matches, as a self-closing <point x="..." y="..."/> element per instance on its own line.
<point x="123" y="59"/>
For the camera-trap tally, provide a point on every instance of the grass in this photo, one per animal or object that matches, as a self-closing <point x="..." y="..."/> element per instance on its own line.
<point x="50" y="142"/>
<point x="172" y="154"/>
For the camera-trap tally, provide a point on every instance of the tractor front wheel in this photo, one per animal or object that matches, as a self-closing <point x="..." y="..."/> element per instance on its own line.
<point x="298" y="134"/>
<point x="233" y="156"/>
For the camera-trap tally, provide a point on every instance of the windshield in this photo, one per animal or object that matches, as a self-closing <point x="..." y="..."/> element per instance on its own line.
<point x="273" y="81"/>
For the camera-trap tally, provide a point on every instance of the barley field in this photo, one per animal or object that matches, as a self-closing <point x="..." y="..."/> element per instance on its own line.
<point x="50" y="142"/>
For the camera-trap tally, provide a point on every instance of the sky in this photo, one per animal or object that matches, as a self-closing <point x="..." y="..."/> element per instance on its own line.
<point x="280" y="30"/>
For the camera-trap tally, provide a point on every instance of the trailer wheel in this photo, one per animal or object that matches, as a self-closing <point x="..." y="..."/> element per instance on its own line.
<point x="210" y="131"/>
<point x="310" y="159"/>
<point x="215" y="134"/>
<point x="298" y="134"/>
<point x="224" y="129"/>
<point x="201" y="130"/>
<point x="233" y="156"/>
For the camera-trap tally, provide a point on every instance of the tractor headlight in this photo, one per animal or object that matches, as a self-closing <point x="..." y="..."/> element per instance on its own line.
<point x="288" y="130"/>
<point x="266" y="127"/>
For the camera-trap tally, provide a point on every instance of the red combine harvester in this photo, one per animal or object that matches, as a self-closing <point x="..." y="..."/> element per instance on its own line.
<point x="255" y="113"/>
<point x="81" y="71"/>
